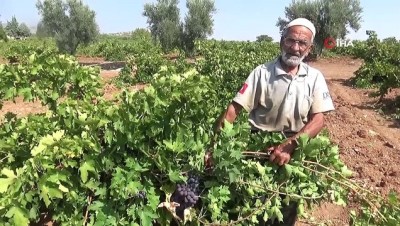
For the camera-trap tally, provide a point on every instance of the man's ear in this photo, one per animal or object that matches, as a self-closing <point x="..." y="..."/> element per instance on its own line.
<point x="310" y="48"/>
<point x="281" y="41"/>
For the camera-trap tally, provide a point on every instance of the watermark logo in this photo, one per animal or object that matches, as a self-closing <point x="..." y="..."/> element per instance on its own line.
<point x="331" y="42"/>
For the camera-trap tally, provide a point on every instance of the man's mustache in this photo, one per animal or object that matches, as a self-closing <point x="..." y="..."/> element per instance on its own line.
<point x="293" y="54"/>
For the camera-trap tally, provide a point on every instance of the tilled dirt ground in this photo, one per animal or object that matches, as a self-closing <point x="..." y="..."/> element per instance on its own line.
<point x="369" y="141"/>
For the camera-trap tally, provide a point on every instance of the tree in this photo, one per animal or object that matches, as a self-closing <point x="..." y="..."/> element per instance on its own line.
<point x="3" y="35"/>
<point x="198" y="22"/>
<point x="42" y="31"/>
<point x="332" y="18"/>
<point x="12" y="28"/>
<point x="141" y="34"/>
<point x="165" y="26"/>
<point x="24" y="30"/>
<point x="264" y="38"/>
<point x="17" y="30"/>
<point x="163" y="18"/>
<point x="71" y="23"/>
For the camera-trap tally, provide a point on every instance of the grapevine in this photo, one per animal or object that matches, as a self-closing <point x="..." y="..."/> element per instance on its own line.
<point x="140" y="160"/>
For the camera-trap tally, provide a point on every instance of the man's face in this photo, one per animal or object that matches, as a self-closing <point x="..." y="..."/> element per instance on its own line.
<point x="296" y="45"/>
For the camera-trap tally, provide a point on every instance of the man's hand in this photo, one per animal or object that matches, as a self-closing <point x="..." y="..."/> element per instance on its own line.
<point x="281" y="154"/>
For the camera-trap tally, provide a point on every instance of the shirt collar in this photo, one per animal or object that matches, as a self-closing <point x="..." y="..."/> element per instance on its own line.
<point x="279" y="70"/>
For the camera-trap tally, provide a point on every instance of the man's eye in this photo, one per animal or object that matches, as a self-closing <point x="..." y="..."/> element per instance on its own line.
<point x="303" y="43"/>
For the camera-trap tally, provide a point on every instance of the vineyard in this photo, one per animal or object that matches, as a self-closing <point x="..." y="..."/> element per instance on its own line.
<point x="138" y="158"/>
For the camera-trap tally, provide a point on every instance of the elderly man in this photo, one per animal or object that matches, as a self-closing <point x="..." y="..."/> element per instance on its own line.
<point x="285" y="95"/>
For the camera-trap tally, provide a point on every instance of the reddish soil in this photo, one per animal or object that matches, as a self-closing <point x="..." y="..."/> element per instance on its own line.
<point x="88" y="59"/>
<point x="368" y="139"/>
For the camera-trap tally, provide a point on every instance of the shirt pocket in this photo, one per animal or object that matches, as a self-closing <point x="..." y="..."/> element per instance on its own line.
<point x="306" y="106"/>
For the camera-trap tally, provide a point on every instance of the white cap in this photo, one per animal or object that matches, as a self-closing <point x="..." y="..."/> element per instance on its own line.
<point x="302" y="22"/>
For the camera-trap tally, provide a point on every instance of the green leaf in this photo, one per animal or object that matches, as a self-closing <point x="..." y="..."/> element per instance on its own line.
<point x="278" y="213"/>
<point x="20" y="217"/>
<point x="26" y="93"/>
<point x="62" y="188"/>
<point x="54" y="96"/>
<point x="303" y="139"/>
<point x="85" y="168"/>
<point x="58" y="135"/>
<point x="55" y="193"/>
<point x="8" y="173"/>
<point x="288" y="170"/>
<point x="145" y="218"/>
<point x="38" y="149"/>
<point x="260" y="169"/>
<point x="346" y="172"/>
<point x="4" y="183"/>
<point x="174" y="176"/>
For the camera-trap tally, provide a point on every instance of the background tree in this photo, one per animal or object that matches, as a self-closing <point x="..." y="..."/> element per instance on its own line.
<point x="198" y="22"/>
<point x="332" y="18"/>
<point x="24" y="30"/>
<point x="12" y="28"/>
<point x="42" y="31"/>
<point x="141" y="33"/>
<point x="264" y="38"/>
<point x="70" y="23"/>
<point x="3" y="35"/>
<point x="165" y="26"/>
<point x="163" y="19"/>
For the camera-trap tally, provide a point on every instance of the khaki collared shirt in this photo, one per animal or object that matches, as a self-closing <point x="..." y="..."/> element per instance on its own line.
<point x="277" y="101"/>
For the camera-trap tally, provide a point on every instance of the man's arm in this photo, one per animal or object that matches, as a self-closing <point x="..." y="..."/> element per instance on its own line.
<point x="313" y="126"/>
<point x="230" y="114"/>
<point x="281" y="154"/>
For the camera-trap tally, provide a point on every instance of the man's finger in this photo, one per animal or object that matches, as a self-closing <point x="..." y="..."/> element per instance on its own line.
<point x="282" y="160"/>
<point x="277" y="159"/>
<point x="272" y="157"/>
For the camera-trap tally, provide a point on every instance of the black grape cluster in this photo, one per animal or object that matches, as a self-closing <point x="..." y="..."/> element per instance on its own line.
<point x="187" y="194"/>
<point x="141" y="195"/>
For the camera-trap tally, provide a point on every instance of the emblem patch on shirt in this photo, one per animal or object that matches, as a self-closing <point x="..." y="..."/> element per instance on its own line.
<point x="326" y="95"/>
<point x="243" y="89"/>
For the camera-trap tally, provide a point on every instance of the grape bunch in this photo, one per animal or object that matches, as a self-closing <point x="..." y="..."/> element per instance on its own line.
<point x="141" y="195"/>
<point x="187" y="194"/>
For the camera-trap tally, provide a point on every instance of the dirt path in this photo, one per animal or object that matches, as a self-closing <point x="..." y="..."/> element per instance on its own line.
<point x="369" y="142"/>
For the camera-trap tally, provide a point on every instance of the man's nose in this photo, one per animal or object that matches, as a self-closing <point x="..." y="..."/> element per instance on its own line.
<point x="295" y="46"/>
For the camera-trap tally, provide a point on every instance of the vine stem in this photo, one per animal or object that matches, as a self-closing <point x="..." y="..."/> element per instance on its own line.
<point x="283" y="193"/>
<point x="349" y="182"/>
<point x="255" y="153"/>
<point x="87" y="210"/>
<point x="346" y="183"/>
<point x="1" y="160"/>
<point x="352" y="188"/>
<point x="346" y="179"/>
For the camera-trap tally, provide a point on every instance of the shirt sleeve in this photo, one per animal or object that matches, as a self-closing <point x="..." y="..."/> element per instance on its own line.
<point x="322" y="101"/>
<point x="248" y="95"/>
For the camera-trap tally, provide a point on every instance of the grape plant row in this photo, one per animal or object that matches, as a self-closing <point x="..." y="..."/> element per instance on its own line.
<point x="139" y="160"/>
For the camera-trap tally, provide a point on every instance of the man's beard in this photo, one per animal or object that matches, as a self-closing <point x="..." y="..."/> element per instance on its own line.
<point x="291" y="60"/>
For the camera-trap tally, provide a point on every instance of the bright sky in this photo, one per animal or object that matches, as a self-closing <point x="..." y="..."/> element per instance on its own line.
<point x="242" y="20"/>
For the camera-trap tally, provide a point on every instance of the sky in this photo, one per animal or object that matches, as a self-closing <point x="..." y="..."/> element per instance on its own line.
<point x="233" y="20"/>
